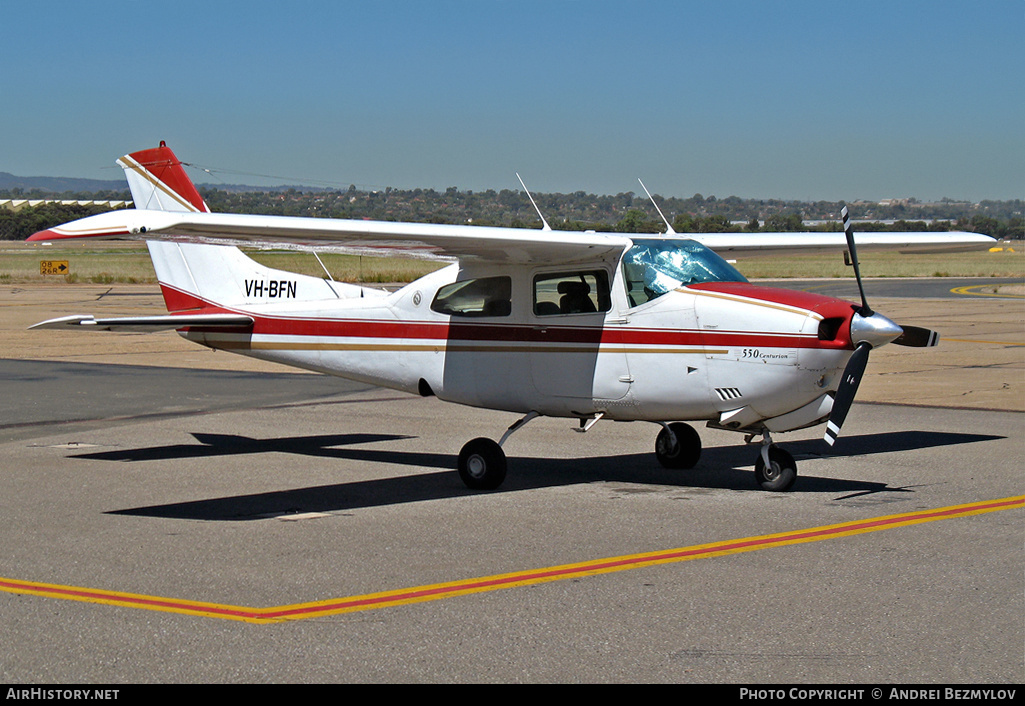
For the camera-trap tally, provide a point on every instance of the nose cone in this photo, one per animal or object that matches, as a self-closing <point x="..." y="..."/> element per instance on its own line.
<point x="875" y="330"/>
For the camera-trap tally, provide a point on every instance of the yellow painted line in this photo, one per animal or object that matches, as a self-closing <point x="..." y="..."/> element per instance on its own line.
<point x="968" y="292"/>
<point x="432" y="592"/>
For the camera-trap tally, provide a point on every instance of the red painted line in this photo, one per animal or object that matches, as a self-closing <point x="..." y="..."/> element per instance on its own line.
<point x="383" y="599"/>
<point x="126" y="599"/>
<point x="603" y="565"/>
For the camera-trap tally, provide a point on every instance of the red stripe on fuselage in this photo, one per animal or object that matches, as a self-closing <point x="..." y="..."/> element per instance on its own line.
<point x="459" y="331"/>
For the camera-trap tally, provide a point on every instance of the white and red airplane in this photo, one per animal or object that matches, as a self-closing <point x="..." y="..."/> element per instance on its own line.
<point x="588" y="325"/>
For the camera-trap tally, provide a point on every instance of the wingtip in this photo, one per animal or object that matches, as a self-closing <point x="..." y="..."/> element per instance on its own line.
<point x="65" y="322"/>
<point x="44" y="235"/>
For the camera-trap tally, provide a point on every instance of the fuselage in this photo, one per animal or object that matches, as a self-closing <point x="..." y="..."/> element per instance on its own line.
<point x="624" y="338"/>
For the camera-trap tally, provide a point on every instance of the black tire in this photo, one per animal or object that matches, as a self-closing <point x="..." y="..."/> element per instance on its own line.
<point x="482" y="464"/>
<point x="685" y="453"/>
<point x="782" y="471"/>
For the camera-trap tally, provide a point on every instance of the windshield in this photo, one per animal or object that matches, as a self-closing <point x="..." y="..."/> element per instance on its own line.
<point x="653" y="267"/>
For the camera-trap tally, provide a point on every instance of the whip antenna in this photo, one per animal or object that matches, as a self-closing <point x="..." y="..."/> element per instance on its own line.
<point x="539" y="215"/>
<point x="669" y="228"/>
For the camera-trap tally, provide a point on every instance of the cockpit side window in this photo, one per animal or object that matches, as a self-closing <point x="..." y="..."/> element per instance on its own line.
<point x="486" y="296"/>
<point x="653" y="267"/>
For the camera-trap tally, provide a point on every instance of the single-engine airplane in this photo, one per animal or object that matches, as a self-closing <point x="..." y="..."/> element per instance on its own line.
<point x="590" y="326"/>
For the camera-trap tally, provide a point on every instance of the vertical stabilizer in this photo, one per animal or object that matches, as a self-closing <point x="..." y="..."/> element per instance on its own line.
<point x="196" y="276"/>
<point x="159" y="183"/>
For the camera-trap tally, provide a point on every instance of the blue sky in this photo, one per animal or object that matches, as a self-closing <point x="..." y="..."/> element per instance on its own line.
<point x="788" y="99"/>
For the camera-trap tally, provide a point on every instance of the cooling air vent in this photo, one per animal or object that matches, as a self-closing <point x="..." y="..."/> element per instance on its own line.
<point x="728" y="393"/>
<point x="830" y="328"/>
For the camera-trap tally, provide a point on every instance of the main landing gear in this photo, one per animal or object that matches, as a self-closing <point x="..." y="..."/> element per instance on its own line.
<point x="677" y="446"/>
<point x="482" y="462"/>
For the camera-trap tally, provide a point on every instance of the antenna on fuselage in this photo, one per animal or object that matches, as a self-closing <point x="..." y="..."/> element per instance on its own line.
<point x="669" y="228"/>
<point x="539" y="215"/>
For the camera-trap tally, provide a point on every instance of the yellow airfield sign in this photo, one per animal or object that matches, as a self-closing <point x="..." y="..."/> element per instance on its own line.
<point x="54" y="267"/>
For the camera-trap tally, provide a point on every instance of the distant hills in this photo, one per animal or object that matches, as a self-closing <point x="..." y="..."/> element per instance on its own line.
<point x="61" y="186"/>
<point x="58" y="185"/>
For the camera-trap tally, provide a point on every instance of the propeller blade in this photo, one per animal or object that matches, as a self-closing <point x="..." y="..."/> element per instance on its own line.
<point x="917" y="337"/>
<point x="848" y="230"/>
<point x="845" y="392"/>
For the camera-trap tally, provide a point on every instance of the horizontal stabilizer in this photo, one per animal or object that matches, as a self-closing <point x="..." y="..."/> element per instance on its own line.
<point x="148" y="323"/>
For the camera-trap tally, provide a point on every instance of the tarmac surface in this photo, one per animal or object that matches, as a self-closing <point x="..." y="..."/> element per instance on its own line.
<point x="177" y="515"/>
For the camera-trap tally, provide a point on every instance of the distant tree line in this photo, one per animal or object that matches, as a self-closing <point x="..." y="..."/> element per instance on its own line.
<point x="625" y="212"/>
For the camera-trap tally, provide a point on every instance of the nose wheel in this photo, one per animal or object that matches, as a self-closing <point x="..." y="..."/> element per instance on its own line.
<point x="779" y="473"/>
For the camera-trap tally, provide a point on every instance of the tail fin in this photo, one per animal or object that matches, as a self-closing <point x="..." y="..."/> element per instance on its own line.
<point x="159" y="183"/>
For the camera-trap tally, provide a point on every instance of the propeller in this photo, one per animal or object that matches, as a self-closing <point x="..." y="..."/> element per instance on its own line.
<point x="917" y="337"/>
<point x="845" y="392"/>
<point x="848" y="231"/>
<point x="868" y="329"/>
<point x="913" y="336"/>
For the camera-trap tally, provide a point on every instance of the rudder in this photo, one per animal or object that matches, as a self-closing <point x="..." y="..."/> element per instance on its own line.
<point x="159" y="183"/>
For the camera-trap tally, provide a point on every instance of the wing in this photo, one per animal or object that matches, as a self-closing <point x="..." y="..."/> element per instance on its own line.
<point x="379" y="238"/>
<point x="172" y="209"/>
<point x="752" y="244"/>
<point x="454" y="242"/>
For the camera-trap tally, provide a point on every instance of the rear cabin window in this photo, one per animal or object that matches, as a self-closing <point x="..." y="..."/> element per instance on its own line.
<point x="486" y="296"/>
<point x="571" y="293"/>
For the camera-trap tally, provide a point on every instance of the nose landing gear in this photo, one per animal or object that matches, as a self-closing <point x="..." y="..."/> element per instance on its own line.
<point x="775" y="468"/>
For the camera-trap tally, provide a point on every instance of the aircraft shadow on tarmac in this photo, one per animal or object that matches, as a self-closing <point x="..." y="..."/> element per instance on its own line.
<point x="727" y="467"/>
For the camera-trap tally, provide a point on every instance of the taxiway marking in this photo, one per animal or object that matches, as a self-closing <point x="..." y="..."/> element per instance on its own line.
<point x="968" y="292"/>
<point x="419" y="594"/>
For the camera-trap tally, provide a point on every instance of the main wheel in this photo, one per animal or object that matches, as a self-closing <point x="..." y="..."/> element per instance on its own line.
<point x="482" y="464"/>
<point x="781" y="473"/>
<point x="684" y="452"/>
